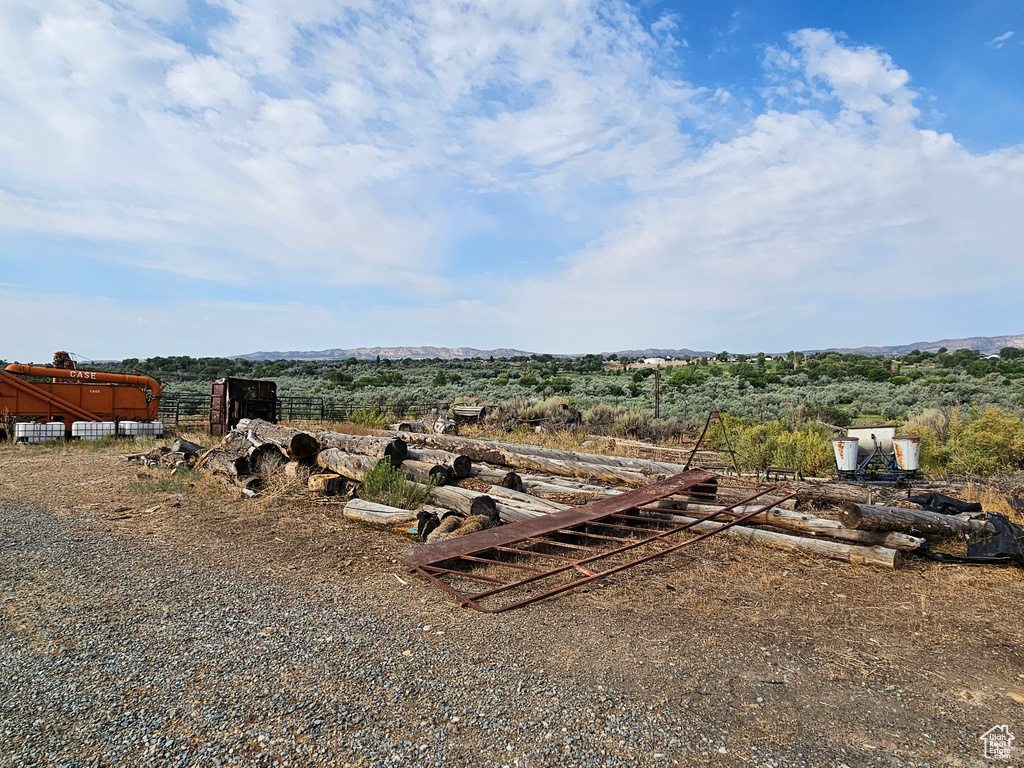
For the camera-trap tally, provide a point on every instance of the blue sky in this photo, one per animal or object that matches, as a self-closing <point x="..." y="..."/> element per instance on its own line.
<point x="188" y="177"/>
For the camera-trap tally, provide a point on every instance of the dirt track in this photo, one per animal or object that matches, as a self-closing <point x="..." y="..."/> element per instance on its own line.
<point x="217" y="621"/>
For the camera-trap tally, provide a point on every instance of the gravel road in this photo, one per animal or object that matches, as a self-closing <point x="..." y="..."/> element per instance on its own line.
<point x="118" y="651"/>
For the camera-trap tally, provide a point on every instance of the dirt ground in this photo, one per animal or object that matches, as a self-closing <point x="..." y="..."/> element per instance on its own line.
<point x="905" y="667"/>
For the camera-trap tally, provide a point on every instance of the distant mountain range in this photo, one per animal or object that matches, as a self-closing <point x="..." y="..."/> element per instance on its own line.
<point x="985" y="344"/>
<point x="392" y="353"/>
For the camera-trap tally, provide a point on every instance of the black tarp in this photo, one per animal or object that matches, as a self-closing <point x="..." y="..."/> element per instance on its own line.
<point x="943" y="504"/>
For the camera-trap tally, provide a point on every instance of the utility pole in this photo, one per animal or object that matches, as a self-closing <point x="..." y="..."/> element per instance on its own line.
<point x="657" y="393"/>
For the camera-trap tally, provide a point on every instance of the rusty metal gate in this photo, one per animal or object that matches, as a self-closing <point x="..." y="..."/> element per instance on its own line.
<point x="513" y="565"/>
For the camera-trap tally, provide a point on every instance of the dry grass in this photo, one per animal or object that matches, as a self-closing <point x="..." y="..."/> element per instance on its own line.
<point x="279" y="489"/>
<point x="992" y="499"/>
<point x="819" y="625"/>
<point x="571" y="440"/>
<point x="196" y="436"/>
<point x="344" y="427"/>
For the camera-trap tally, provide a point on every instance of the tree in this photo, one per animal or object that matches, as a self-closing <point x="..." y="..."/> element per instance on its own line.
<point x="560" y="385"/>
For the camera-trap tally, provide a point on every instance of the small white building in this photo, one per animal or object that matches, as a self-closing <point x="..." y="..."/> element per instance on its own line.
<point x="654" y="361"/>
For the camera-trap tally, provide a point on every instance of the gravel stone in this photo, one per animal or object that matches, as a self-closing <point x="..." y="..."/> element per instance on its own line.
<point x="116" y="651"/>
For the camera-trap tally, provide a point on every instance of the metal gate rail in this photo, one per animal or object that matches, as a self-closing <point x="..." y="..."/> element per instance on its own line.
<point x="502" y="568"/>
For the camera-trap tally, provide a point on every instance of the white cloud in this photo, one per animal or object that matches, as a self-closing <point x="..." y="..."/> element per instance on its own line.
<point x="770" y="235"/>
<point x="326" y="133"/>
<point x="206" y="82"/>
<point x="1000" y="40"/>
<point x="358" y="143"/>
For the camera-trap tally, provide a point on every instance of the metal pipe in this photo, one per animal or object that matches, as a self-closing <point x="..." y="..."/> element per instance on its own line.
<point x="76" y="375"/>
<point x="59" y="404"/>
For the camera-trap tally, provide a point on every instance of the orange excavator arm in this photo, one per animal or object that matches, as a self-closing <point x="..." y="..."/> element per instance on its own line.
<point x="144" y="382"/>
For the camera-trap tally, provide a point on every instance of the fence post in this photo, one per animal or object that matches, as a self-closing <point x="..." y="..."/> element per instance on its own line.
<point x="657" y="393"/>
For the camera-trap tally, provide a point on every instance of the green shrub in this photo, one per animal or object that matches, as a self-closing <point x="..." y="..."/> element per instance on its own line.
<point x="560" y="385"/>
<point x="553" y="413"/>
<point x="599" y="418"/>
<point x="974" y="442"/>
<point x="986" y="443"/>
<point x="370" y="416"/>
<point x="386" y="484"/>
<point x="805" y="447"/>
<point x="685" y="376"/>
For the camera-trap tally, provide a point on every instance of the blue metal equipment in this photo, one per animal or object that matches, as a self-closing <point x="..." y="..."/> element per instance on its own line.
<point x="879" y="468"/>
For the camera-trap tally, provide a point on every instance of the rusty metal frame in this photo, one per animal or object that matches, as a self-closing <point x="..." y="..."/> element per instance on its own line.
<point x="582" y="544"/>
<point x="714" y="414"/>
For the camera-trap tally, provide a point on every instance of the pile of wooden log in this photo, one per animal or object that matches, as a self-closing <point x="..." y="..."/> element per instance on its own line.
<point x="181" y="453"/>
<point x="514" y="482"/>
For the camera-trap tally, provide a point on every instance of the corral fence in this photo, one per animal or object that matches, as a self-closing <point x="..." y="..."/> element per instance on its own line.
<point x="186" y="412"/>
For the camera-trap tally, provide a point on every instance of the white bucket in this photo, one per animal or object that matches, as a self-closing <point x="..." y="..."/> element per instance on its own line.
<point x="845" y="449"/>
<point x="907" y="450"/>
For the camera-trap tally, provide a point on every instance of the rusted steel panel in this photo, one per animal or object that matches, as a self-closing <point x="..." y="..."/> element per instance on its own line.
<point x="619" y="532"/>
<point x="539" y="526"/>
<point x="232" y="400"/>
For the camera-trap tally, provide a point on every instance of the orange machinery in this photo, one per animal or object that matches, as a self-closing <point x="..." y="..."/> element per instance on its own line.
<point x="73" y="395"/>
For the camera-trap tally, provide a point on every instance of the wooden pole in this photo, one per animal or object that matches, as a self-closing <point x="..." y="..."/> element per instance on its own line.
<point x="515" y="498"/>
<point x="427" y="472"/>
<point x="463" y="500"/>
<point x="819" y="526"/>
<point x="295" y="443"/>
<point x="393" y="448"/>
<point x="460" y="465"/>
<point x="873" y="517"/>
<point x="377" y="514"/>
<point x="850" y="553"/>
<point x="495" y="452"/>
<point x="354" y="466"/>
<point x="657" y="393"/>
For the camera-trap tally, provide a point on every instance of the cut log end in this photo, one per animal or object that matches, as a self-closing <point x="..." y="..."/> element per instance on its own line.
<point x="514" y="482"/>
<point x="303" y="446"/>
<point x="850" y="516"/>
<point x="484" y="505"/>
<point x="326" y="485"/>
<point x="461" y="466"/>
<point x="396" y="450"/>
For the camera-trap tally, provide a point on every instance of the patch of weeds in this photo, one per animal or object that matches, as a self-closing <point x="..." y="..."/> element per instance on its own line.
<point x="181" y="480"/>
<point x="371" y="417"/>
<point x="99" y="444"/>
<point x="386" y="484"/>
